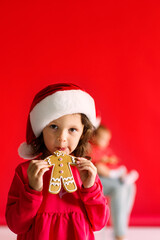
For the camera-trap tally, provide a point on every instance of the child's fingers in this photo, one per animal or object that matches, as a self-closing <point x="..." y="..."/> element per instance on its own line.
<point x="35" y="166"/>
<point x="87" y="171"/>
<point x="37" y="162"/>
<point x="87" y="166"/>
<point x="42" y="171"/>
<point x="82" y="159"/>
<point x="81" y="162"/>
<point x="35" y="173"/>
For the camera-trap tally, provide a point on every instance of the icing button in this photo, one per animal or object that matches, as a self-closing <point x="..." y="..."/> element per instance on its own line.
<point x="61" y="171"/>
<point x="61" y="164"/>
<point x="60" y="159"/>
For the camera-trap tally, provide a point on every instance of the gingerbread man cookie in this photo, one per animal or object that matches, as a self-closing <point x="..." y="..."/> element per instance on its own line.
<point x="61" y="172"/>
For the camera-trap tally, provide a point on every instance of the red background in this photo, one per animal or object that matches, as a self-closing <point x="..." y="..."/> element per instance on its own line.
<point x="112" y="49"/>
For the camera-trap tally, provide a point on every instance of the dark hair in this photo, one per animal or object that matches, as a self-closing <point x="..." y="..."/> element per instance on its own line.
<point x="82" y="149"/>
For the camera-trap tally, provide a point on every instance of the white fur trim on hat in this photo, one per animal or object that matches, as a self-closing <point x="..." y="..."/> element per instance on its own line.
<point x="59" y="104"/>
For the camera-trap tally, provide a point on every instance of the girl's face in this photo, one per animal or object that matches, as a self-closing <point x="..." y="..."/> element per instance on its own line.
<point x="103" y="138"/>
<point x="63" y="134"/>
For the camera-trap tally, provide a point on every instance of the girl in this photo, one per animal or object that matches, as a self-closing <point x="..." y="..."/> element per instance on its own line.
<point x="117" y="183"/>
<point x="61" y="117"/>
<point x="106" y="161"/>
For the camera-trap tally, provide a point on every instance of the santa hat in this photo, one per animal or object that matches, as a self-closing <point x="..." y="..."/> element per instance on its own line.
<point x="51" y="103"/>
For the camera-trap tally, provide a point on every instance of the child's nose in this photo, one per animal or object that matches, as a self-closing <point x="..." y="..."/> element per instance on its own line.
<point x="62" y="137"/>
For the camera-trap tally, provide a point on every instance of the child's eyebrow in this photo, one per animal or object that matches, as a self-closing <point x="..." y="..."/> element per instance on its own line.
<point x="53" y="122"/>
<point x="73" y="126"/>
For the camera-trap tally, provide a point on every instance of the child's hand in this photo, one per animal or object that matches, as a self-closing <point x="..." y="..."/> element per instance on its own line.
<point x="35" y="172"/>
<point x="87" y="171"/>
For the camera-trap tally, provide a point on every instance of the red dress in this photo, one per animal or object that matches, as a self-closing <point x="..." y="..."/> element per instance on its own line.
<point x="37" y="215"/>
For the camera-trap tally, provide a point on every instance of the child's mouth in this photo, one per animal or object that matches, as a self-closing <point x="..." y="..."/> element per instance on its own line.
<point x="61" y="149"/>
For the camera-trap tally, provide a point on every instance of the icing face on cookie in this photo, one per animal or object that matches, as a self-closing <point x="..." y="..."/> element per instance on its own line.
<point x="63" y="134"/>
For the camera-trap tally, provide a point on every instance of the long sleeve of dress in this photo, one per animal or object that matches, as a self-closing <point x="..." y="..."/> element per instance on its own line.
<point x="23" y="204"/>
<point x="96" y="205"/>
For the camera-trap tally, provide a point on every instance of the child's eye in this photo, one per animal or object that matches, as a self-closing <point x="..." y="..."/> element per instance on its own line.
<point x="73" y="129"/>
<point x="53" y="126"/>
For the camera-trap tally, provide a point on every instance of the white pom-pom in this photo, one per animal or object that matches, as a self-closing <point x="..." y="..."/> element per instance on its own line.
<point x="25" y="151"/>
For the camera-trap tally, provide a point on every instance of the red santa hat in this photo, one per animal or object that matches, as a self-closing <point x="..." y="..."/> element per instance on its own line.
<point x="51" y="103"/>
